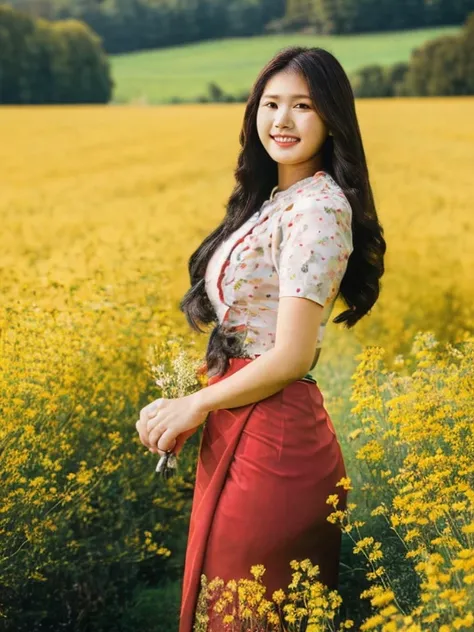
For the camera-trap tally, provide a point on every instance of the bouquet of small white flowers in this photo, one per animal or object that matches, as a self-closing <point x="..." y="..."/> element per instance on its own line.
<point x="176" y="375"/>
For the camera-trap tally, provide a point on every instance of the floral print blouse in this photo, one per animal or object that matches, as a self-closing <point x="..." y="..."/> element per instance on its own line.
<point x="296" y="244"/>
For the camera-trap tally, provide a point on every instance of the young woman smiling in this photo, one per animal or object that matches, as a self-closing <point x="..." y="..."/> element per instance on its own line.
<point x="300" y="230"/>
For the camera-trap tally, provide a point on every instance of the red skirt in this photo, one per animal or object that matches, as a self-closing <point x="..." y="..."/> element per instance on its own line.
<point x="263" y="475"/>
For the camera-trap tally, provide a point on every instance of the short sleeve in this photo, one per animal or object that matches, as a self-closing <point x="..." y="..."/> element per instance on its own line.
<point x="315" y="246"/>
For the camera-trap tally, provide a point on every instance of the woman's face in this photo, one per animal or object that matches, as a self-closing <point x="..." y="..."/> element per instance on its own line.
<point x="286" y="109"/>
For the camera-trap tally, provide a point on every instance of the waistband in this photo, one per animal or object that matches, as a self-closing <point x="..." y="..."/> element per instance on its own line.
<point x="309" y="378"/>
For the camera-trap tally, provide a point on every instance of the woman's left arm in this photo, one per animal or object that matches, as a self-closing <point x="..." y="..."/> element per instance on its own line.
<point x="289" y="360"/>
<point x="166" y="424"/>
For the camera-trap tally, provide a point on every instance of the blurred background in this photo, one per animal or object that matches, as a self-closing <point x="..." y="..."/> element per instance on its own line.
<point x="119" y="125"/>
<point x="169" y="51"/>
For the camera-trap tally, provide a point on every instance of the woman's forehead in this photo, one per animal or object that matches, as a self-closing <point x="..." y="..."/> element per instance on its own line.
<point x="286" y="84"/>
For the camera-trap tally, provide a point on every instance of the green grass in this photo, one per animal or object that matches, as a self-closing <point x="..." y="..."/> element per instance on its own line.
<point x="184" y="71"/>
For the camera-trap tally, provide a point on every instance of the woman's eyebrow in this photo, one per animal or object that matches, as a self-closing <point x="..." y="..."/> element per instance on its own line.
<point x="293" y="96"/>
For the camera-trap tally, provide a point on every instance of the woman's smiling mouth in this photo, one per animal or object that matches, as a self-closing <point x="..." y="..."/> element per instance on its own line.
<point x="284" y="141"/>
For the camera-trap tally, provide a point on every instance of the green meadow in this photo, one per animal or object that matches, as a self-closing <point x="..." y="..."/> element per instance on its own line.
<point x="156" y="76"/>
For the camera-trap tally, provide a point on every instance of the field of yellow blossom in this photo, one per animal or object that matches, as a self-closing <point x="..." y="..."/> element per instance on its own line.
<point x="101" y="208"/>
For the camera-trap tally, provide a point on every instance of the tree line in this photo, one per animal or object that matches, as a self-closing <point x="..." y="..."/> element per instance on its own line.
<point x="45" y="62"/>
<point x="51" y="62"/>
<point x="332" y="17"/>
<point x="129" y="25"/>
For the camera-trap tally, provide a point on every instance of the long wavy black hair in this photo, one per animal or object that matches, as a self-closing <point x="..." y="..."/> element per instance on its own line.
<point x="343" y="157"/>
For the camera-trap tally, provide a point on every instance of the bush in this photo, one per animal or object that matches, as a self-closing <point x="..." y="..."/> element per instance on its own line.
<point x="370" y="81"/>
<point x="441" y="67"/>
<point x="395" y="78"/>
<point x="84" y="519"/>
<point x="444" y="66"/>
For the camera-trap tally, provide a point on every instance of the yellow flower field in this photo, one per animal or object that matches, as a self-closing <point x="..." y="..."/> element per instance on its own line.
<point x="103" y="195"/>
<point x="101" y="208"/>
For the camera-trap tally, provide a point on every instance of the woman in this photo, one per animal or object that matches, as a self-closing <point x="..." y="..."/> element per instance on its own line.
<point x="301" y="229"/>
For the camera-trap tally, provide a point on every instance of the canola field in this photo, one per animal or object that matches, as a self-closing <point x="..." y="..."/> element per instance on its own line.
<point x="101" y="208"/>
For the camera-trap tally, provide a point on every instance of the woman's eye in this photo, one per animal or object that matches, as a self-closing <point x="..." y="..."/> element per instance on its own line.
<point x="273" y="103"/>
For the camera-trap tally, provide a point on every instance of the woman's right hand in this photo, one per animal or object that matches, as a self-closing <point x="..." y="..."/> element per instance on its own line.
<point x="182" y="438"/>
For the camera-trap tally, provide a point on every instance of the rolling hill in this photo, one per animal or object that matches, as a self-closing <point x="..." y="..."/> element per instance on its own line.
<point x="156" y="76"/>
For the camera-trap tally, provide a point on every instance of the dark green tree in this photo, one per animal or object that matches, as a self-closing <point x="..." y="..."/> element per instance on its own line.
<point x="81" y="72"/>
<point x="371" y="81"/>
<point x="50" y="62"/>
<point x="443" y="66"/>
<point x="17" y="50"/>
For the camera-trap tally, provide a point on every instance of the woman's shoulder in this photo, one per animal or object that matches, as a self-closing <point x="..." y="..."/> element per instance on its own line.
<point x="322" y="186"/>
<point x="316" y="193"/>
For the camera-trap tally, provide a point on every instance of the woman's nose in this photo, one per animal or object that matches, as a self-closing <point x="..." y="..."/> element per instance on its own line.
<point x="282" y="118"/>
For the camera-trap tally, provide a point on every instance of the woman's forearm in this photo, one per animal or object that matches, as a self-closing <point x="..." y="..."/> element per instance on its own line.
<point x="262" y="377"/>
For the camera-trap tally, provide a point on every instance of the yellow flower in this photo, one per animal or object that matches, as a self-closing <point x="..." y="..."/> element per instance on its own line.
<point x="333" y="500"/>
<point x="278" y="596"/>
<point x="345" y="482"/>
<point x="372" y="622"/>
<point x="257" y="571"/>
<point x="383" y="598"/>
